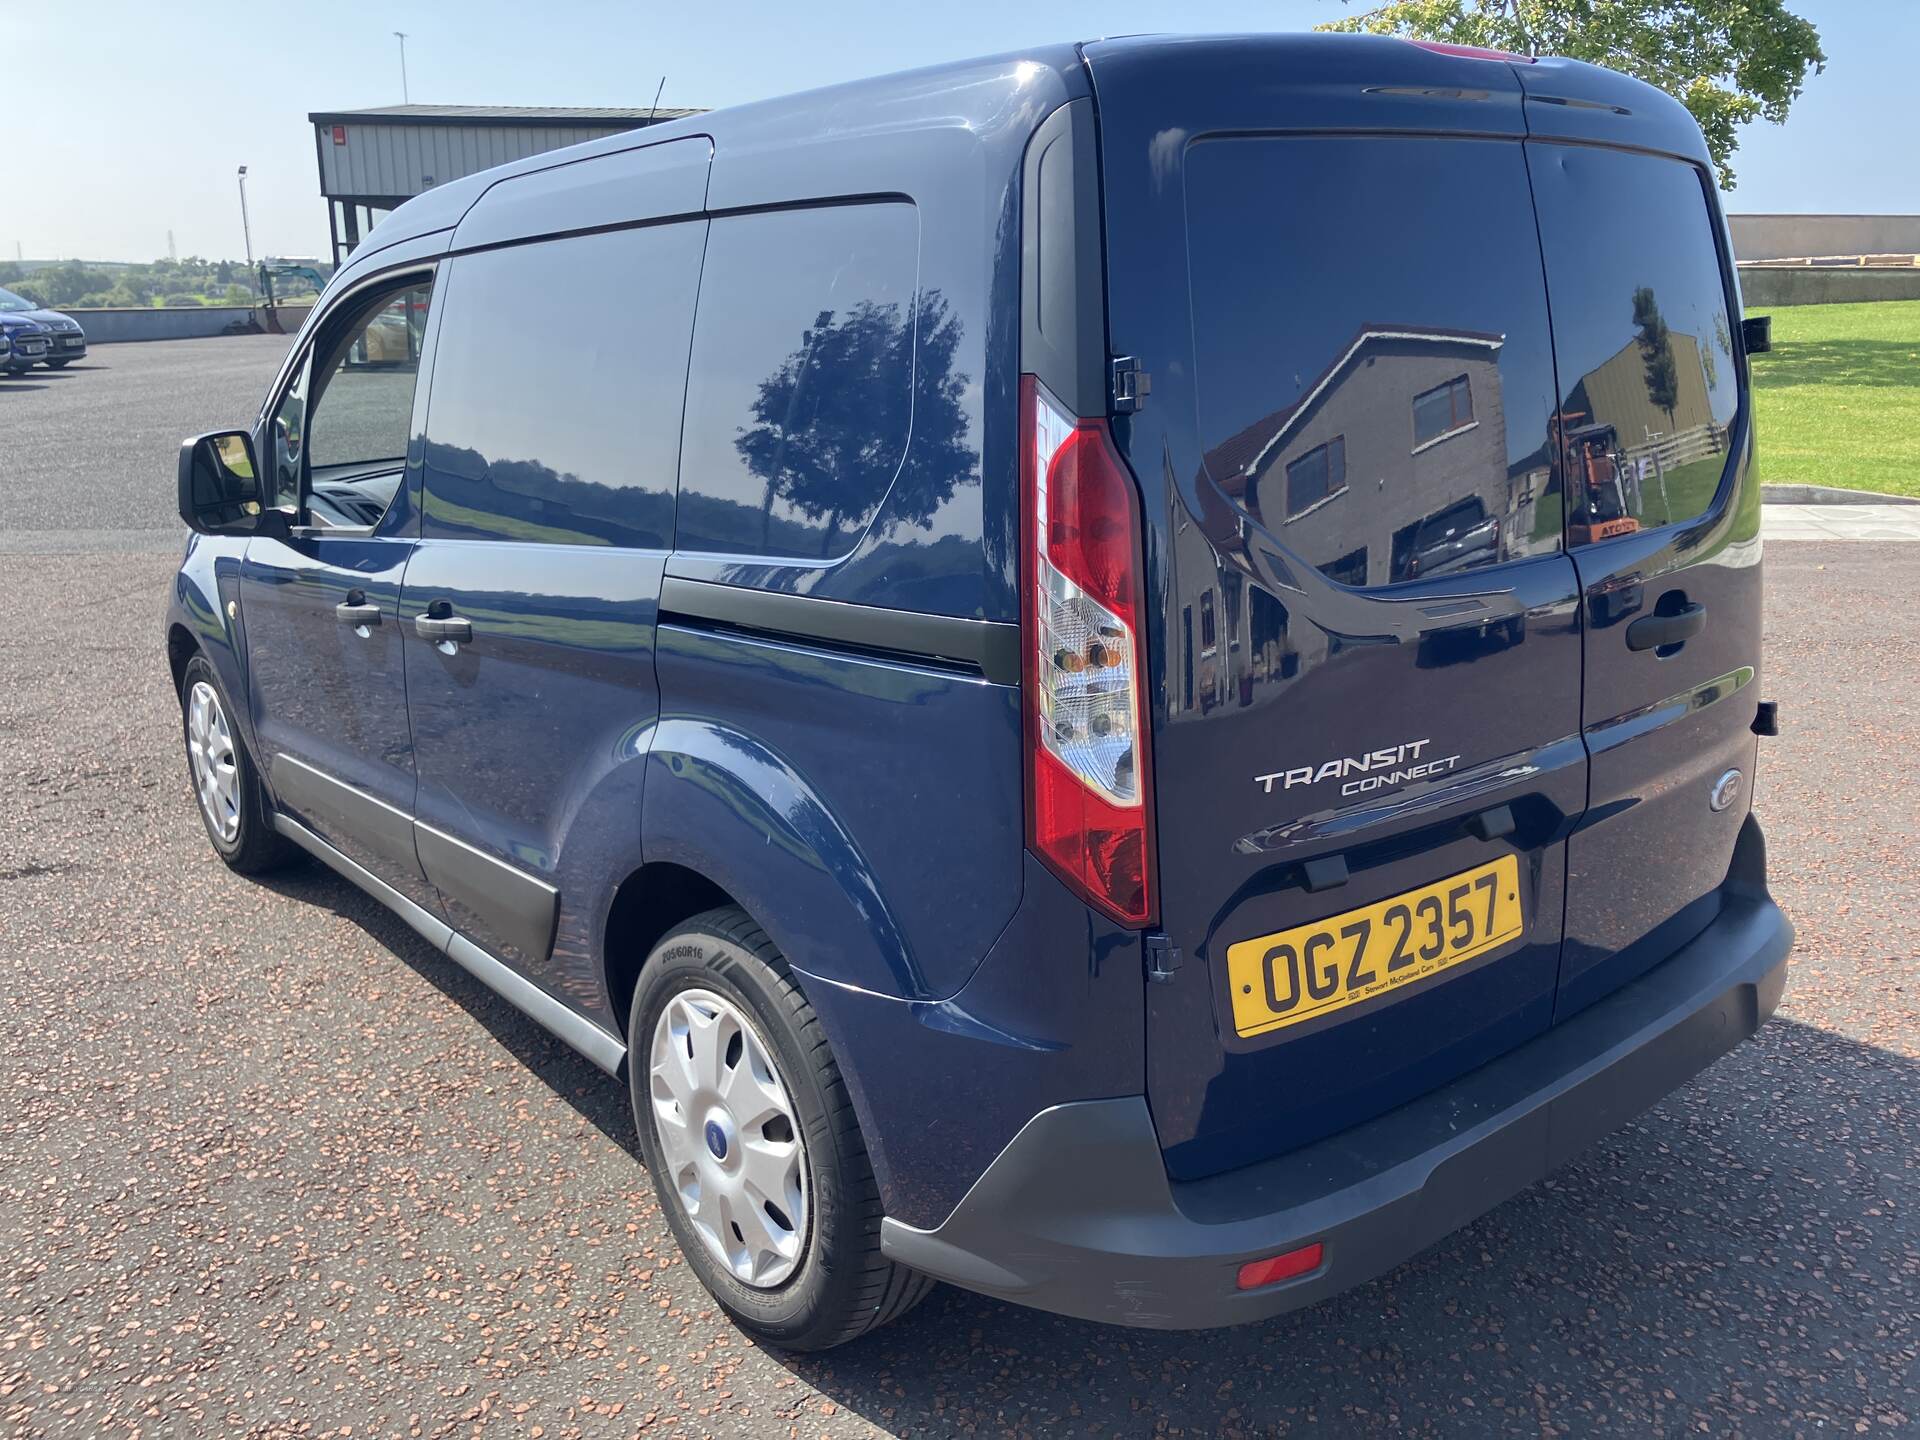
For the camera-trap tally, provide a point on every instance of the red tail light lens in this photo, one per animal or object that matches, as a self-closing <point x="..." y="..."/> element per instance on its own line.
<point x="1087" y="780"/>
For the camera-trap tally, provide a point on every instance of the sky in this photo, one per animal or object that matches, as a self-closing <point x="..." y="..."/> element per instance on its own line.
<point x="128" y="120"/>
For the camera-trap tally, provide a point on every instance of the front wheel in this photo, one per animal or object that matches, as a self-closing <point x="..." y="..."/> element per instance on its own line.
<point x="751" y="1139"/>
<point x="233" y="803"/>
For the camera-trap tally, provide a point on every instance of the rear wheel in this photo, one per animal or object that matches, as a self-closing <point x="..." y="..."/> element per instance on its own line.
<point x="233" y="803"/>
<point x="752" y="1142"/>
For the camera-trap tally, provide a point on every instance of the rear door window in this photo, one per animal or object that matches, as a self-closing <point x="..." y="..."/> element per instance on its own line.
<point x="1641" y="328"/>
<point x="800" y="394"/>
<point x="559" y="372"/>
<point x="1372" y="346"/>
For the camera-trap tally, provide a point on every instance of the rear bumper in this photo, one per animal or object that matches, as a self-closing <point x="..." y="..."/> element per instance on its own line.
<point x="1077" y="1214"/>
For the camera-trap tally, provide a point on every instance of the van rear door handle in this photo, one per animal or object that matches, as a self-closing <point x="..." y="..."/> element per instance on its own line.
<point x="355" y="610"/>
<point x="440" y="623"/>
<point x="1655" y="632"/>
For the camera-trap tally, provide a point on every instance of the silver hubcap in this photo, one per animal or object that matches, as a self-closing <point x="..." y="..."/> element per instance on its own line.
<point x="729" y="1138"/>
<point x="216" y="775"/>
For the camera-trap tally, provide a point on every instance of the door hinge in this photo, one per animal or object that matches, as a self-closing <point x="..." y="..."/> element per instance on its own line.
<point x="1131" y="385"/>
<point x="1163" y="958"/>
<point x="1766" y="718"/>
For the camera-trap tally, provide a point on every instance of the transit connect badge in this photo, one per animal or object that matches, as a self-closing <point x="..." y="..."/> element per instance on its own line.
<point x="1378" y="769"/>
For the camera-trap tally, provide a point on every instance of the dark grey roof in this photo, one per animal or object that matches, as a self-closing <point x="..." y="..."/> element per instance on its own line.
<point x="572" y="116"/>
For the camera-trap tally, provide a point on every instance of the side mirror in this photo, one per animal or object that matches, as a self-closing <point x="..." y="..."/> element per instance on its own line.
<point x="220" y="487"/>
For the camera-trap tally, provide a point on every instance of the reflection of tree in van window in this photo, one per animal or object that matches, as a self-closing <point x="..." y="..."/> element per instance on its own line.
<point x="835" y="408"/>
<point x="1656" y="349"/>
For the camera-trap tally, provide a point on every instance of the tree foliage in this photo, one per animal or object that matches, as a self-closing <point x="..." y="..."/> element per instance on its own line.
<point x="1727" y="61"/>
<point x="189" y="280"/>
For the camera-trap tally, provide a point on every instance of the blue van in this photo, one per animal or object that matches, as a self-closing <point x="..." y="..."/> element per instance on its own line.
<point x="1124" y="675"/>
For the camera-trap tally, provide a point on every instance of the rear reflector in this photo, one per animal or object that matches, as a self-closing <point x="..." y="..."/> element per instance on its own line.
<point x="1285" y="1266"/>
<point x="1087" y="781"/>
<point x="1471" y="52"/>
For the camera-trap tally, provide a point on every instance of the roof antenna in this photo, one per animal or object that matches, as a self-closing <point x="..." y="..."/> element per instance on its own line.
<point x="654" y="108"/>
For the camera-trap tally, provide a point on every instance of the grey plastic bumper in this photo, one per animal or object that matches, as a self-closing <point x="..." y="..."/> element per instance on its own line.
<point x="1077" y="1214"/>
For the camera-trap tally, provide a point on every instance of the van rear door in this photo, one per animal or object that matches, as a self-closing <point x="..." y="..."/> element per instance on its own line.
<point x="1366" y="660"/>
<point x="1663" y="515"/>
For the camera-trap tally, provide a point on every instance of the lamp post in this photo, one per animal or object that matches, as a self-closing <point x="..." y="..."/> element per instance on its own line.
<point x="245" y="228"/>
<point x="401" y="36"/>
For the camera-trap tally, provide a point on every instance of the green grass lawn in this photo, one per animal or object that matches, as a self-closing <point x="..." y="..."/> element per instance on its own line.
<point x="1837" y="399"/>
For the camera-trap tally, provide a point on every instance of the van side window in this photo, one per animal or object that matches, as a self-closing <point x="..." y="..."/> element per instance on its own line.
<point x="1415" y="372"/>
<point x="1640" y="328"/>
<point x="341" y="429"/>
<point x="555" y="411"/>
<point x="363" y="403"/>
<point x="801" y="389"/>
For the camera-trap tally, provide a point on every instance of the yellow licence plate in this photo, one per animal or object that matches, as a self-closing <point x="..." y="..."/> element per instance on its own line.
<point x="1312" y="970"/>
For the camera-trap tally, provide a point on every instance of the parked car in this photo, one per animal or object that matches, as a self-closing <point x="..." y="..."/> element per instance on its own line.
<point x="66" y="341"/>
<point x="29" y="342"/>
<point x="790" y="693"/>
<point x="1457" y="538"/>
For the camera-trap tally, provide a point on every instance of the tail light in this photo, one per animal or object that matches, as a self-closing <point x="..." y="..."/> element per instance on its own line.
<point x="1082" y="610"/>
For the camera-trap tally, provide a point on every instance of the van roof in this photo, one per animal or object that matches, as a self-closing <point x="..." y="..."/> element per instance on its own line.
<point x="965" y="94"/>
<point x="984" y="94"/>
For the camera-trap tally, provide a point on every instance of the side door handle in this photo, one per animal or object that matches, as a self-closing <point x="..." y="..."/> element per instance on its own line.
<point x="355" y="610"/>
<point x="440" y="623"/>
<point x="1656" y="632"/>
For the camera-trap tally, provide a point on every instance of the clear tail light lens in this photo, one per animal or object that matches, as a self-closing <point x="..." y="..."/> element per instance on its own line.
<point x="1087" y="781"/>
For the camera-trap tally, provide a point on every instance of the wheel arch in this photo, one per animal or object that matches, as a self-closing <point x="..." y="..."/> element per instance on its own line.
<point x="646" y="907"/>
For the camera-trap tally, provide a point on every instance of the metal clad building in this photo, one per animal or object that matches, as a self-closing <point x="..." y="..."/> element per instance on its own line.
<point x="372" y="160"/>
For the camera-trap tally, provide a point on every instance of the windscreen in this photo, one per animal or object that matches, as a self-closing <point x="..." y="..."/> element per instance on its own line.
<point x="1372" y="348"/>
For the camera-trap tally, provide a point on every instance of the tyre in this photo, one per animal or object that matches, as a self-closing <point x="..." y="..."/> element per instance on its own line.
<point x="751" y="1139"/>
<point x="58" y="364"/>
<point x="226" y="787"/>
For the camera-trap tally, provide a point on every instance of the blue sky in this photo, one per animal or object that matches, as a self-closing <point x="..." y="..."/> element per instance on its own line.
<point x="139" y="113"/>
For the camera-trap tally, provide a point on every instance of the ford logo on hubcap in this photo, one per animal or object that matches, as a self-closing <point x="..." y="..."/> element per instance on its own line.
<point x="716" y="1140"/>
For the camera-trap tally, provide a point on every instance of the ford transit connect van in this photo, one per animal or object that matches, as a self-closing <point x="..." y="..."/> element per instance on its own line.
<point x="1125" y="675"/>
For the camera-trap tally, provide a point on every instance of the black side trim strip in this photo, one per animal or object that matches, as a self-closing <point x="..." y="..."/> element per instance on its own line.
<point x="520" y="907"/>
<point x="990" y="647"/>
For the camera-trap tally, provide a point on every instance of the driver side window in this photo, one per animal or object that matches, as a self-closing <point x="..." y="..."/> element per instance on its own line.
<point x="345" y="419"/>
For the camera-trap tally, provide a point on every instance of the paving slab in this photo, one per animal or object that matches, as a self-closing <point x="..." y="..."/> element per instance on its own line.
<point x="1840" y="522"/>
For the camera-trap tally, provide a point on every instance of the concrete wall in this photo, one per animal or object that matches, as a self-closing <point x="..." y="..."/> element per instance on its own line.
<point x="1764" y="286"/>
<point x="1793" y="237"/>
<point x="185" y="322"/>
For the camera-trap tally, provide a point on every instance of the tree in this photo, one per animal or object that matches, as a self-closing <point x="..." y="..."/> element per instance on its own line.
<point x="1656" y="350"/>
<point x="1727" y="61"/>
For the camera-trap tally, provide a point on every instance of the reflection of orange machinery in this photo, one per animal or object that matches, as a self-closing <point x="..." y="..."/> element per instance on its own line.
<point x="1609" y="487"/>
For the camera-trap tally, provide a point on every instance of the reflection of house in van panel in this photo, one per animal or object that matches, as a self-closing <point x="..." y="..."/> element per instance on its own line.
<point x="1404" y="426"/>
